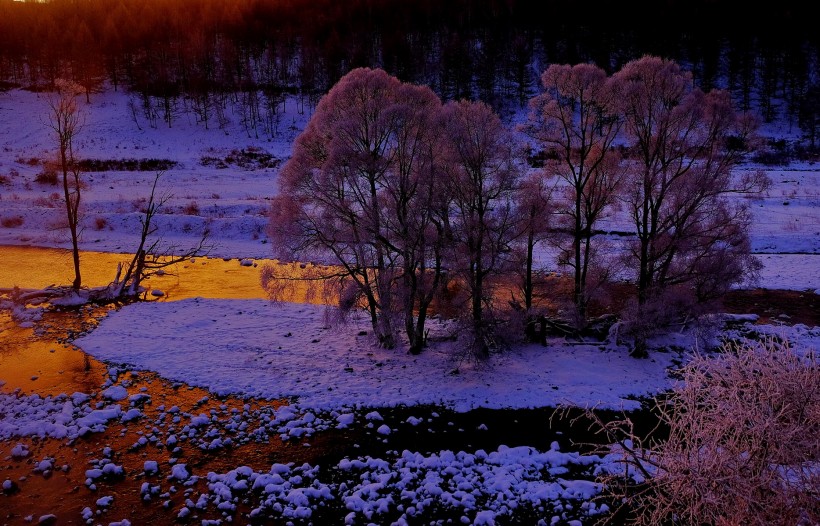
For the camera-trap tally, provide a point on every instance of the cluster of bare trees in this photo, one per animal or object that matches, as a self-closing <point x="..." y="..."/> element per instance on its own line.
<point x="402" y="192"/>
<point x="692" y="243"/>
<point x="411" y="197"/>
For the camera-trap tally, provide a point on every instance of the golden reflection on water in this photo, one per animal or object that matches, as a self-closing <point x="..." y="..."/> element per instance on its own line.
<point x="36" y="268"/>
<point x="40" y="363"/>
<point x="57" y="367"/>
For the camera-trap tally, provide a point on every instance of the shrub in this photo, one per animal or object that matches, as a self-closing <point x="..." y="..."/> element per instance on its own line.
<point x="6" y="85"/>
<point x="139" y="204"/>
<point x="30" y="161"/>
<point x="742" y="445"/>
<point x="11" y="221"/>
<point x="251" y="158"/>
<point x="52" y="201"/>
<point x="191" y="209"/>
<point x="774" y="153"/>
<point x="130" y="165"/>
<point x="100" y="223"/>
<point x="47" y="176"/>
<point x="44" y="202"/>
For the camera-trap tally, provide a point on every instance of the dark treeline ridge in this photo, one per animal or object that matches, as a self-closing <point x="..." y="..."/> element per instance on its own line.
<point x="204" y="51"/>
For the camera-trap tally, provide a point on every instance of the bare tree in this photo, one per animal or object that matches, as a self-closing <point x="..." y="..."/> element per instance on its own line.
<point x="684" y="144"/>
<point x="359" y="189"/>
<point x="151" y="256"/>
<point x="808" y="114"/>
<point x="66" y="120"/>
<point x="576" y="119"/>
<point x="534" y="207"/>
<point x="332" y="180"/>
<point x="484" y="172"/>
<point x="416" y="206"/>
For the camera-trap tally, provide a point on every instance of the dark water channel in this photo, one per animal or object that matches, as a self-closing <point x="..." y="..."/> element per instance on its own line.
<point x="40" y="360"/>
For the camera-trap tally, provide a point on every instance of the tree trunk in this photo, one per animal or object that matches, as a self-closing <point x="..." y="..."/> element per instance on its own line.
<point x="528" y="278"/>
<point x="576" y="248"/>
<point x="582" y="300"/>
<point x="419" y="338"/>
<point x="71" y="204"/>
<point x="482" y="351"/>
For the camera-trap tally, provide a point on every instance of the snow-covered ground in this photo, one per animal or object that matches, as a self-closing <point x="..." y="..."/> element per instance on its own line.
<point x="334" y="379"/>
<point x="291" y="351"/>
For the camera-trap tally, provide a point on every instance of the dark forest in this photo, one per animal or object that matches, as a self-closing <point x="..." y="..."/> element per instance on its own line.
<point x="199" y="52"/>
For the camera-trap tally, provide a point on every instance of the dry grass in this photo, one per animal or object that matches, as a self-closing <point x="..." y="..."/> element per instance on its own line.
<point x="743" y="444"/>
<point x="191" y="208"/>
<point x="11" y="221"/>
<point x="47" y="176"/>
<point x="100" y="223"/>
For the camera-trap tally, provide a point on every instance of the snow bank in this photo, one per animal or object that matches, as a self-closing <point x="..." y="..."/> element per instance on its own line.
<point x="240" y="347"/>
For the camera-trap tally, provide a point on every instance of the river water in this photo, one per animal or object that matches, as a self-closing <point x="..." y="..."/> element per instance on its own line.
<point x="39" y="359"/>
<point x="34" y="268"/>
<point x="57" y="365"/>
